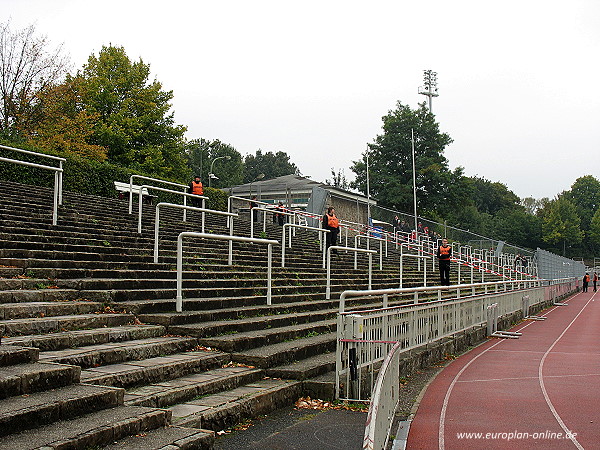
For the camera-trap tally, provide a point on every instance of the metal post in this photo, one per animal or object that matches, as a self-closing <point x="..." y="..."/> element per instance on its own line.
<point x="269" y="271"/>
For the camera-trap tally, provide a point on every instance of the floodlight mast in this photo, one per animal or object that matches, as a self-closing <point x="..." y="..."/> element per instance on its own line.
<point x="430" y="88"/>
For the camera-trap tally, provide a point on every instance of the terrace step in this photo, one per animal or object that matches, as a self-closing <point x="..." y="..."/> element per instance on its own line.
<point x="47" y="309"/>
<point x="117" y="352"/>
<point x="220" y="411"/>
<point x="153" y="370"/>
<point x="170" y="438"/>
<point x="186" y="388"/>
<point x="32" y="377"/>
<point x="272" y="355"/>
<point x="32" y="410"/>
<point x="80" y="338"/>
<point x="41" y="325"/>
<point x="14" y="354"/>
<point x="305" y="368"/>
<point x="38" y="295"/>
<point x="243" y="341"/>
<point x="91" y="430"/>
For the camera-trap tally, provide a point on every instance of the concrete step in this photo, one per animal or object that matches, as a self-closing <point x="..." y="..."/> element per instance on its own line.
<point x="305" y="368"/>
<point x="38" y="295"/>
<point x="118" y="352"/>
<point x="14" y="354"/>
<point x="24" y="310"/>
<point x="33" y="410"/>
<point x="169" y="438"/>
<point x="189" y="387"/>
<point x="32" y="377"/>
<point x="220" y="411"/>
<point x="279" y="353"/>
<point x="153" y="370"/>
<point x="56" y="324"/>
<point x="251" y="339"/>
<point x="81" y="338"/>
<point x="89" y="431"/>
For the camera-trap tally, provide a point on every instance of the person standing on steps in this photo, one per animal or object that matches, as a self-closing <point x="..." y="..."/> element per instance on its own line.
<point x="196" y="188"/>
<point x="586" y="280"/>
<point x="331" y="223"/>
<point x="444" y="252"/>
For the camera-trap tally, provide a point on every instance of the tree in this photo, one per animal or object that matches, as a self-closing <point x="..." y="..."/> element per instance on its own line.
<point x="27" y="67"/>
<point x="390" y="163"/>
<point x="134" y="119"/>
<point x="64" y="126"/>
<point x="338" y="179"/>
<point x="272" y="165"/>
<point x="491" y="197"/>
<point x="201" y="153"/>
<point x="560" y="222"/>
<point x="585" y="194"/>
<point x="595" y="229"/>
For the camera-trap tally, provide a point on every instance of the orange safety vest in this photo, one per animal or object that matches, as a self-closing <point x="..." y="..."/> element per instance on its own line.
<point x="586" y="278"/>
<point x="197" y="188"/>
<point x="445" y="252"/>
<point x="332" y="221"/>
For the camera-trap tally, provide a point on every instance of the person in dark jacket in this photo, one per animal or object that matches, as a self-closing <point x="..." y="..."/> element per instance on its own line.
<point x="586" y="280"/>
<point x="278" y="217"/>
<point x="196" y="188"/>
<point x="444" y="252"/>
<point x="595" y="280"/>
<point x="331" y="223"/>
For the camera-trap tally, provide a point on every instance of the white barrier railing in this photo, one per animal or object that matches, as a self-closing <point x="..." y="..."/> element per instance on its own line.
<point x="303" y="227"/>
<point x="384" y="403"/>
<point x="43" y="155"/>
<point x="368" y="239"/>
<point x="350" y="249"/>
<point x="57" y="182"/>
<point x="365" y="336"/>
<point x="190" y="208"/>
<point x="219" y="237"/>
<point x="156" y="180"/>
<point x="170" y="191"/>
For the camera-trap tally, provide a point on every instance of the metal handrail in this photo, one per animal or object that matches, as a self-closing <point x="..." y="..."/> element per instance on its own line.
<point x="156" y="180"/>
<point x="57" y="182"/>
<point x="156" y="188"/>
<point x="188" y="208"/>
<point x="350" y="249"/>
<point x="370" y="238"/>
<point x="219" y="237"/>
<point x="44" y="155"/>
<point x="304" y="227"/>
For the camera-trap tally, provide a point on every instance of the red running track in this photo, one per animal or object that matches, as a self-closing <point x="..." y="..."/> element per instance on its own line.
<point x="539" y="391"/>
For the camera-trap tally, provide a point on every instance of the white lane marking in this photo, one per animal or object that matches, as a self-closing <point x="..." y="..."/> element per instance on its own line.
<point x="542" y="385"/>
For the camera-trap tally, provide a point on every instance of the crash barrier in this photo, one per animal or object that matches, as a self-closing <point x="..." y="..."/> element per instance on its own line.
<point x="132" y="189"/>
<point x="185" y="195"/>
<point x="190" y="208"/>
<point x="221" y="237"/>
<point x="58" y="174"/>
<point x="291" y="226"/>
<point x="350" y="249"/>
<point x="365" y="336"/>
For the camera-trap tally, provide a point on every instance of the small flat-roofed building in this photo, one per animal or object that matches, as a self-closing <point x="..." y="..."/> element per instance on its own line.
<point x="298" y="192"/>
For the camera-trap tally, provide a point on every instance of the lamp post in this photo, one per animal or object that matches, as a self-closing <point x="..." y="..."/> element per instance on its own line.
<point x="368" y="191"/>
<point x="211" y="175"/>
<point x="430" y="88"/>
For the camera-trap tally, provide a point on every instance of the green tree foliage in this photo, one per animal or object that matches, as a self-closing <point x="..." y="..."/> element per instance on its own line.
<point x="560" y="222"/>
<point x="585" y="194"/>
<point x="201" y="154"/>
<point x="135" y="124"/>
<point x="594" y="232"/>
<point x="272" y="165"/>
<point x="390" y="164"/>
<point x="491" y="197"/>
<point x="338" y="179"/>
<point x="27" y="66"/>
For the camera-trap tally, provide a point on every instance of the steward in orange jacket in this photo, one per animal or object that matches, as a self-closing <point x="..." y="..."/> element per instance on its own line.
<point x="331" y="223"/>
<point x="444" y="252"/>
<point x="196" y="188"/>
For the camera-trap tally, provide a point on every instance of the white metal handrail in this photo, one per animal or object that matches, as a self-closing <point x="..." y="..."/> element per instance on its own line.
<point x="384" y="402"/>
<point x="219" y="237"/>
<point x="190" y="208"/>
<point x="57" y="182"/>
<point x="184" y="194"/>
<point x="303" y="227"/>
<point x="43" y="155"/>
<point x="350" y="249"/>
<point x="156" y="180"/>
<point x="370" y="238"/>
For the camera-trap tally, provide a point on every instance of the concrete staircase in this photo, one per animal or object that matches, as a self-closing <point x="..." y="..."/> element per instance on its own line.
<point x="85" y="296"/>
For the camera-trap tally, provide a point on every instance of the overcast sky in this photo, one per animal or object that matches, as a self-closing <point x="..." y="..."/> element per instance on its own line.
<point x="517" y="79"/>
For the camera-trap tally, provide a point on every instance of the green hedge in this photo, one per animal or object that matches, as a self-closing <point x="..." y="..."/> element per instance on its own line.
<point x="87" y="176"/>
